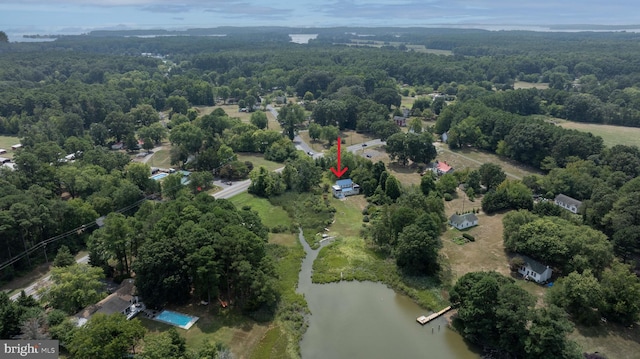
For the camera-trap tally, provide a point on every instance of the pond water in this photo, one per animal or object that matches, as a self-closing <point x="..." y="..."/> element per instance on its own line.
<point x="370" y="320"/>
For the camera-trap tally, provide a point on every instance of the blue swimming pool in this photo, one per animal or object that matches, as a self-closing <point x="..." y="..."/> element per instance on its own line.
<point x="159" y="176"/>
<point x="178" y="319"/>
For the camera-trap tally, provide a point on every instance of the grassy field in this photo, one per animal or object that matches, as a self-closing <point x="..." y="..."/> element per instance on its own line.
<point x="473" y="158"/>
<point x="160" y="159"/>
<point x="486" y="253"/>
<point x="530" y="85"/>
<point x="269" y="214"/>
<point x="612" y="135"/>
<point x="236" y="331"/>
<point x="465" y="158"/>
<point x="615" y="341"/>
<point x="349" y="258"/>
<point x="416" y="48"/>
<point x="6" y="142"/>
<point x="258" y="160"/>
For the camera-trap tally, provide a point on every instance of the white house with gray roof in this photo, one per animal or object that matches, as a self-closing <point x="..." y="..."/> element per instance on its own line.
<point x="534" y="270"/>
<point x="462" y="221"/>
<point x="568" y="203"/>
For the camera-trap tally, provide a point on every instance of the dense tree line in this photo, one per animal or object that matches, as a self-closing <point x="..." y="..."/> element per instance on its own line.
<point x="496" y="313"/>
<point x="198" y="244"/>
<point x="557" y="242"/>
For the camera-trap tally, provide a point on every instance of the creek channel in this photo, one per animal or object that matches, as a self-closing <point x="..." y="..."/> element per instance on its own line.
<point x="352" y="319"/>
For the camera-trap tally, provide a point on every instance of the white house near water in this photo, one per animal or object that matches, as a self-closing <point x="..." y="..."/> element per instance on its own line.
<point x="568" y="203"/>
<point x="344" y="188"/>
<point x="463" y="221"/>
<point x="534" y="270"/>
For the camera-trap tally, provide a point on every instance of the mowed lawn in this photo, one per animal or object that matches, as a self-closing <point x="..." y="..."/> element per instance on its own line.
<point x="610" y="339"/>
<point x="238" y="332"/>
<point x="611" y="135"/>
<point x="6" y="142"/>
<point x="486" y="253"/>
<point x="350" y="258"/>
<point x="161" y="159"/>
<point x="530" y="85"/>
<point x="270" y="215"/>
<point x="258" y="160"/>
<point x="473" y="158"/>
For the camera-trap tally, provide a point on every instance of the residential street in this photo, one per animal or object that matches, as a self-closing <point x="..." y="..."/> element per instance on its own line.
<point x="33" y="288"/>
<point x="227" y="191"/>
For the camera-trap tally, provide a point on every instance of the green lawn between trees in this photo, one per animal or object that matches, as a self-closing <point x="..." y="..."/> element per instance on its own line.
<point x="350" y="257"/>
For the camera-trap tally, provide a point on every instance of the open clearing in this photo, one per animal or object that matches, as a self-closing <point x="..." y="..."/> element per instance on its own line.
<point x="612" y="135"/>
<point x="379" y="44"/>
<point x="530" y="85"/>
<point x="461" y="159"/>
<point x="612" y="340"/>
<point x="486" y="253"/>
<point x="6" y="142"/>
<point x="473" y="158"/>
<point x="160" y="159"/>
<point x="270" y="215"/>
<point x="258" y="160"/>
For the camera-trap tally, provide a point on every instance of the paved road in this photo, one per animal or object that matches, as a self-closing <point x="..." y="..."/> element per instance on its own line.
<point x="33" y="288"/>
<point x="361" y="146"/>
<point x="235" y="188"/>
<point x="232" y="190"/>
<point x="273" y="111"/>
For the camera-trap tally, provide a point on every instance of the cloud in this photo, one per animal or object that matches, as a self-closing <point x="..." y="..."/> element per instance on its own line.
<point x="168" y="8"/>
<point x="252" y="10"/>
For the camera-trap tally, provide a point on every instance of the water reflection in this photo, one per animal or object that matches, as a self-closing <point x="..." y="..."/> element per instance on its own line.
<point x="369" y="320"/>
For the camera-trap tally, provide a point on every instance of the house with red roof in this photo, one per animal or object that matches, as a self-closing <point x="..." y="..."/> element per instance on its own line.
<point x="442" y="168"/>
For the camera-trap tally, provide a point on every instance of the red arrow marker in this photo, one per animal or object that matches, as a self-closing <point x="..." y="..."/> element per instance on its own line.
<point x="339" y="172"/>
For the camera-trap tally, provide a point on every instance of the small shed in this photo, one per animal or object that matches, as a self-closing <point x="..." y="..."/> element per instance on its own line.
<point x="534" y="270"/>
<point x="463" y="221"/>
<point x="568" y="203"/>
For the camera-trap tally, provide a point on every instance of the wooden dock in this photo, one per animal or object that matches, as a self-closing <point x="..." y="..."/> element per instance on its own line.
<point x="424" y="320"/>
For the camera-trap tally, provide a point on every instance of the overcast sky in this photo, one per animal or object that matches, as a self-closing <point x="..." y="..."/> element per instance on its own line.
<point x="73" y="16"/>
